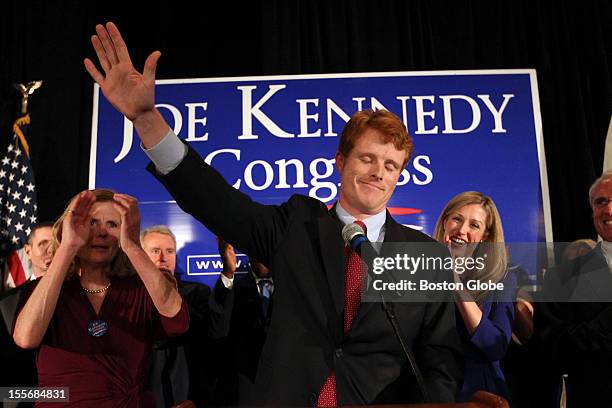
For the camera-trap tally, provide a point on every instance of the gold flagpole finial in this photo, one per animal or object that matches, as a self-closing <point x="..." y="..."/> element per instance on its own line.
<point x="26" y="91"/>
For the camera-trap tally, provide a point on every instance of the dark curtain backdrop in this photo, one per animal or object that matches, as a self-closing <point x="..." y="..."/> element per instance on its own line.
<point x="569" y="43"/>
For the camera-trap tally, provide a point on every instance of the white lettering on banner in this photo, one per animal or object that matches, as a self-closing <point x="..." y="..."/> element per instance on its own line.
<point x="320" y="187"/>
<point x="128" y="130"/>
<point x="403" y="100"/>
<point x="416" y="162"/>
<point x="376" y="105"/>
<point x="359" y="103"/>
<point x="497" y="113"/>
<point x="405" y="177"/>
<point x="448" y="116"/>
<point x="309" y="122"/>
<point x="128" y="137"/>
<point x="176" y="116"/>
<point x="421" y="113"/>
<point x="282" y="173"/>
<point x="249" y="111"/>
<point x="248" y="175"/>
<point x="215" y="264"/>
<point x="192" y="120"/>
<point x="316" y="176"/>
<point x="331" y="106"/>
<point x="304" y="117"/>
<point x="210" y="156"/>
<point x="476" y="115"/>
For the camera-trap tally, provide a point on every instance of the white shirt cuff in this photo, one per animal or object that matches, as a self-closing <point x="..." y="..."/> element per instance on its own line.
<point x="227" y="282"/>
<point x="167" y="154"/>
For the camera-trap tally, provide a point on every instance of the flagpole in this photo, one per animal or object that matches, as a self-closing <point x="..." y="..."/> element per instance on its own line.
<point x="24" y="119"/>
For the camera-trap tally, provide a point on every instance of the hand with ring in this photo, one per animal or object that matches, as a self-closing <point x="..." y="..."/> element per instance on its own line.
<point x="75" y="226"/>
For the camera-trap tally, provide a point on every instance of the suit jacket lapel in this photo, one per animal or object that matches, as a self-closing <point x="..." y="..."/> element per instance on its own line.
<point x="597" y="274"/>
<point x="393" y="231"/>
<point x="332" y="253"/>
<point x="392" y="234"/>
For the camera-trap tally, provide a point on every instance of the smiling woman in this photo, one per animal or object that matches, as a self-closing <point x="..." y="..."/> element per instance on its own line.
<point x="96" y="313"/>
<point x="485" y="311"/>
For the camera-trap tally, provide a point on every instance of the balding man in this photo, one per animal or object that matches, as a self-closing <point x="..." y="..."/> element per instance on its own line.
<point x="181" y="367"/>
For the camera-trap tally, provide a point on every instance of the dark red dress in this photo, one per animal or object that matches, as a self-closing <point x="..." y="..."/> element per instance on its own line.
<point x="110" y="370"/>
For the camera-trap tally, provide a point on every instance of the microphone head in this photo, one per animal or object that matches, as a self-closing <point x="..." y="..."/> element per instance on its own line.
<point x="350" y="231"/>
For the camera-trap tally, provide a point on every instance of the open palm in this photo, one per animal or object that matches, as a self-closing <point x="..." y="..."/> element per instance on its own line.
<point x="127" y="206"/>
<point x="129" y="91"/>
<point x="76" y="226"/>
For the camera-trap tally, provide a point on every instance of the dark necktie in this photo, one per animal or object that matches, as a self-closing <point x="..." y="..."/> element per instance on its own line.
<point x="353" y="277"/>
<point x="265" y="291"/>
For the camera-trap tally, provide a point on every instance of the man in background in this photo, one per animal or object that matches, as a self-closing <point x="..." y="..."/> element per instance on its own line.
<point x="19" y="364"/>
<point x="184" y="367"/>
<point x="39" y="250"/>
<point x="250" y="318"/>
<point x="575" y="319"/>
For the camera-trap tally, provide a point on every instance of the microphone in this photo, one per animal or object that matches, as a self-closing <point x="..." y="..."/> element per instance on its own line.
<point x="354" y="236"/>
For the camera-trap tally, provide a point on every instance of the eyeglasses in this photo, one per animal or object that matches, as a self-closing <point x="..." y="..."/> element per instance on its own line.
<point x="601" y="202"/>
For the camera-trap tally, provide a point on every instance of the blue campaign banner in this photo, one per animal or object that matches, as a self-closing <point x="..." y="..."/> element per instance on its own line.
<point x="272" y="137"/>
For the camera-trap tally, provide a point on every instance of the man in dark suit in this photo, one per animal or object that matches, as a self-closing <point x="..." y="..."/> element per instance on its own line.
<point x="575" y="319"/>
<point x="19" y="364"/>
<point x="251" y="316"/>
<point x="322" y="348"/>
<point x="185" y="367"/>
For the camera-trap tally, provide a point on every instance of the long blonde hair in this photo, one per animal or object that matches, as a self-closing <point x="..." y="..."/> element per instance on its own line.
<point x="496" y="255"/>
<point x="120" y="265"/>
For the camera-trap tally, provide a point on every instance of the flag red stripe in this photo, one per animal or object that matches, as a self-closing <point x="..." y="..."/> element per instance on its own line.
<point x="15" y="268"/>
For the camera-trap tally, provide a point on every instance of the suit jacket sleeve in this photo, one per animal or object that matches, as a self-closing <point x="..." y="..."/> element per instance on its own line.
<point x="221" y="304"/>
<point x="571" y="328"/>
<point x="438" y="352"/>
<point x="494" y="332"/>
<point x="201" y="191"/>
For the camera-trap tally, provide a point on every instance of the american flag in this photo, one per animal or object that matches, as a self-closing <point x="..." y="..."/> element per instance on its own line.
<point x="17" y="206"/>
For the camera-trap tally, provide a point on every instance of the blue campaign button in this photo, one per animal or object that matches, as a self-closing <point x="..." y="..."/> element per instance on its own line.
<point x="97" y="328"/>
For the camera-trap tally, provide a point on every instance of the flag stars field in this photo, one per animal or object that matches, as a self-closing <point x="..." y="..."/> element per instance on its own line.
<point x="17" y="209"/>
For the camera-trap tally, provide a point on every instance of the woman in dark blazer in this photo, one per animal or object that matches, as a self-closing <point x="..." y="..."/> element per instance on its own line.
<point x="484" y="316"/>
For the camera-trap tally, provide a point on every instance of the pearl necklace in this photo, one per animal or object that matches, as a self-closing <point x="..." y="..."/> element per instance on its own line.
<point x="96" y="290"/>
